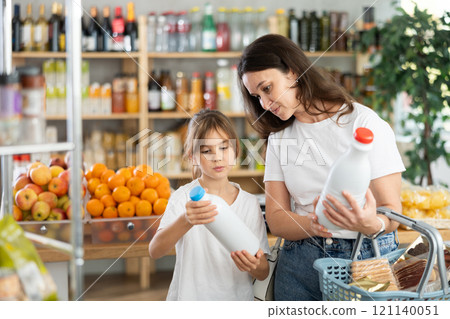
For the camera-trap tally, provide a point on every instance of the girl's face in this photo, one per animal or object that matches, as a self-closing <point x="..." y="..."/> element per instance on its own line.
<point x="216" y="155"/>
<point x="275" y="91"/>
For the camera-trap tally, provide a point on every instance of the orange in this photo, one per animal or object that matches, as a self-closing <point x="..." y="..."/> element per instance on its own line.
<point x="136" y="185"/>
<point x="92" y="184"/>
<point x="126" y="209"/>
<point x="160" y="206"/>
<point x="88" y="175"/>
<point x="95" y="207"/>
<point x="125" y="172"/>
<point x="163" y="191"/>
<point x="162" y="179"/>
<point x="108" y="200"/>
<point x="97" y="169"/>
<point x="121" y="194"/>
<point x="151" y="181"/>
<point x="142" y="171"/>
<point x="143" y="208"/>
<point x="116" y="180"/>
<point x="134" y="199"/>
<point x="101" y="190"/>
<point x="150" y="194"/>
<point x="110" y="212"/>
<point x="106" y="175"/>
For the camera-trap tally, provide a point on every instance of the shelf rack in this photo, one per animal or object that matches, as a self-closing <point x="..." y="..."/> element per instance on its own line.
<point x="74" y="133"/>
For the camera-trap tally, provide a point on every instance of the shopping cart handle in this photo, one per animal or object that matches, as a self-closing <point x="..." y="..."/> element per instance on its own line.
<point x="435" y="247"/>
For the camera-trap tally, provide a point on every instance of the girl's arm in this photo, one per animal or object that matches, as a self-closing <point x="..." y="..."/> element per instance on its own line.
<point x="197" y="213"/>
<point x="257" y="266"/>
<point x="282" y="221"/>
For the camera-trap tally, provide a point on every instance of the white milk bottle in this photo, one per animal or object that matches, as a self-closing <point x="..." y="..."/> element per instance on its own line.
<point x="227" y="227"/>
<point x="351" y="173"/>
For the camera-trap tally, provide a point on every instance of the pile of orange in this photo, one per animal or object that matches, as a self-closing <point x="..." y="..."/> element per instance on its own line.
<point x="130" y="191"/>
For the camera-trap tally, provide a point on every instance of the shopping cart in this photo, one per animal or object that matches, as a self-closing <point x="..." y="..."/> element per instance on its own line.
<point x="335" y="273"/>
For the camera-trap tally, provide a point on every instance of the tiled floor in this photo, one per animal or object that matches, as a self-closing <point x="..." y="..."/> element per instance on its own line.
<point x="123" y="287"/>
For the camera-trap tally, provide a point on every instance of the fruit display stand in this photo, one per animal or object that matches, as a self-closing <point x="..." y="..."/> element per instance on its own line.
<point x="73" y="251"/>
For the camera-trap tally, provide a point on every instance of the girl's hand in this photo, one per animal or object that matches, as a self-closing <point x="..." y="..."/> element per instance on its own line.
<point x="246" y="262"/>
<point x="316" y="228"/>
<point x="357" y="219"/>
<point x="200" y="212"/>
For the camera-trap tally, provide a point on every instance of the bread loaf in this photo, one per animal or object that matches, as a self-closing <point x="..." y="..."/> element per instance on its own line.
<point x="377" y="270"/>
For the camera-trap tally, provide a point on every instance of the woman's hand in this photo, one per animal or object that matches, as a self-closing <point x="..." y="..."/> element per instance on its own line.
<point x="316" y="228"/>
<point x="246" y="262"/>
<point x="358" y="219"/>
<point x="200" y="212"/>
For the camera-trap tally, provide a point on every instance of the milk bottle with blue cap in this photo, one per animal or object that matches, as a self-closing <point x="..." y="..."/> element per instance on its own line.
<point x="227" y="227"/>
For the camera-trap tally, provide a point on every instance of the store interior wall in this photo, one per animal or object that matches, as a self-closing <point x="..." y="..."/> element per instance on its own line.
<point x="106" y="69"/>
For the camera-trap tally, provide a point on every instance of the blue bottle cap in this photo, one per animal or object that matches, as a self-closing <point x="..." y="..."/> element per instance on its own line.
<point x="197" y="193"/>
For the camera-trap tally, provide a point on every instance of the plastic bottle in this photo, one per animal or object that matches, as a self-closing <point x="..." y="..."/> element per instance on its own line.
<point x="237" y="104"/>
<point x="162" y="34"/>
<point x="210" y="95"/>
<point x="195" y="36"/>
<point x="196" y="101"/>
<point x="235" y="30"/>
<point x="209" y="32"/>
<point x="183" y="29"/>
<point x="227" y="227"/>
<point x="262" y="27"/>
<point x="172" y="28"/>
<point x="350" y="172"/>
<point x="223" y="31"/>
<point x="151" y="31"/>
<point x="223" y="86"/>
<point x="249" y="28"/>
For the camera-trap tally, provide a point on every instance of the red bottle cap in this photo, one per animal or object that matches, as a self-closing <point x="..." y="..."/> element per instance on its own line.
<point x="363" y="135"/>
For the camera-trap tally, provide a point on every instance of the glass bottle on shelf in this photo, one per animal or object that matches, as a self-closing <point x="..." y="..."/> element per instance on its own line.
<point x="324" y="31"/>
<point x="182" y="92"/>
<point x="236" y="30"/>
<point x="41" y="31"/>
<point x="283" y="23"/>
<point x="151" y="31"/>
<point x="223" y="76"/>
<point x="131" y="41"/>
<point x="195" y="36"/>
<point x="118" y="29"/>
<point x="293" y="26"/>
<point x="53" y="29"/>
<point x="118" y="94"/>
<point x="210" y="94"/>
<point x="92" y="31"/>
<point x="262" y="24"/>
<point x="196" y="102"/>
<point x="209" y="32"/>
<point x="167" y="92"/>
<point x="154" y="93"/>
<point x="223" y="31"/>
<point x="27" y="30"/>
<point x="314" y="38"/>
<point x="183" y="29"/>
<point x="248" y="34"/>
<point x="104" y="42"/>
<point x="16" y="29"/>
<point x="131" y="95"/>
<point x="62" y="31"/>
<point x="304" y="32"/>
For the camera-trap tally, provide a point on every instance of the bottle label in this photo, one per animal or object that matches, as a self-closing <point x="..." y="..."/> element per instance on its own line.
<point x="127" y="43"/>
<point x="154" y="100"/>
<point x="38" y="33"/>
<point x="26" y="35"/>
<point x="167" y="100"/>
<point x="209" y="40"/>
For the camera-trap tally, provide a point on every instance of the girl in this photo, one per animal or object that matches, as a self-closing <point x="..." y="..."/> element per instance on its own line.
<point x="204" y="269"/>
<point x="288" y="100"/>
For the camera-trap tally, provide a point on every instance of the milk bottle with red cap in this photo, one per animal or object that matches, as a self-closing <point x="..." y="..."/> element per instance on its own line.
<point x="351" y="173"/>
<point x="227" y="227"/>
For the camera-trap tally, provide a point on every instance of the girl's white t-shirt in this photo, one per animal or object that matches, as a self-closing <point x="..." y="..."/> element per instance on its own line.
<point x="302" y="154"/>
<point x="204" y="269"/>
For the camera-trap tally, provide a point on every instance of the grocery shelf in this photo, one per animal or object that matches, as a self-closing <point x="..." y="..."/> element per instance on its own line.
<point x="114" y="116"/>
<point x="233" y="173"/>
<point x="185" y="115"/>
<point x="36" y="148"/>
<point x="235" y="54"/>
<point x="63" y="55"/>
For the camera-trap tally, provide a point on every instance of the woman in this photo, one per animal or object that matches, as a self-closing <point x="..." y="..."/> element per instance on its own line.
<point x="309" y="121"/>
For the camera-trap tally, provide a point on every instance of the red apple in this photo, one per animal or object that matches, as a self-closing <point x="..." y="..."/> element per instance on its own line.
<point x="57" y="214"/>
<point x="65" y="176"/>
<point x="50" y="198"/>
<point x="21" y="182"/>
<point x="58" y="186"/>
<point x="58" y="161"/>
<point x="37" y="189"/>
<point x="56" y="170"/>
<point x="41" y="175"/>
<point x="69" y="212"/>
<point x="26" y="198"/>
<point x="31" y="166"/>
<point x="17" y="213"/>
<point x="40" y="211"/>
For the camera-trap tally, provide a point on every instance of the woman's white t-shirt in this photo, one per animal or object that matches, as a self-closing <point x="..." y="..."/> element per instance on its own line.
<point x="302" y="154"/>
<point x="204" y="269"/>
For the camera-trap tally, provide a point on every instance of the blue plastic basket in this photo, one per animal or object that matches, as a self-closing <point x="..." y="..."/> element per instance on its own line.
<point x="335" y="274"/>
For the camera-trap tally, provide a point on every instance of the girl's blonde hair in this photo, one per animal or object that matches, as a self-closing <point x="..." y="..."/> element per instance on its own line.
<point x="200" y="125"/>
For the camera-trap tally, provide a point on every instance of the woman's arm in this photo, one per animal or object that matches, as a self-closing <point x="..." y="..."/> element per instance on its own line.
<point x="282" y="221"/>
